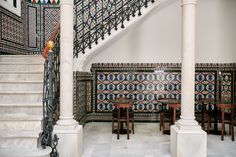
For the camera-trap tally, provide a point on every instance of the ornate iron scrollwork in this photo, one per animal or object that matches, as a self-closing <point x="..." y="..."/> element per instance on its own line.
<point x="51" y="94"/>
<point x="95" y="18"/>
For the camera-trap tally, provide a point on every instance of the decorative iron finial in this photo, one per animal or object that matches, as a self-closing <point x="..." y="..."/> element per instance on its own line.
<point x="50" y="45"/>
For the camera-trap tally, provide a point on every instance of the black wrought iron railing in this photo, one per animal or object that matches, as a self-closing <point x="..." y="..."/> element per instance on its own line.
<point x="95" y="18"/>
<point x="51" y="94"/>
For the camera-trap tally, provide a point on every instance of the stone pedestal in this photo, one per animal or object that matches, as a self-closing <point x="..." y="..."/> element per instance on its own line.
<point x="188" y="143"/>
<point x="70" y="142"/>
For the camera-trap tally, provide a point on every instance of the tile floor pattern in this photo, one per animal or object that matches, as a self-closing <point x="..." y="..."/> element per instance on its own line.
<point x="147" y="141"/>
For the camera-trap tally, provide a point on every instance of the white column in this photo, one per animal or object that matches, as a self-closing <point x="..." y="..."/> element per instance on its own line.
<point x="67" y="129"/>
<point x="187" y="137"/>
<point x="66" y="63"/>
<point x="188" y="63"/>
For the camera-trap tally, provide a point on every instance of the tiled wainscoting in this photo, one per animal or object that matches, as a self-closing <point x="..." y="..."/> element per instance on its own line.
<point x="27" y="34"/>
<point x="146" y="83"/>
<point x="82" y="94"/>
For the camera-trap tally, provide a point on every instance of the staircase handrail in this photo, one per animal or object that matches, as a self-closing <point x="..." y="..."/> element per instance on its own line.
<point x="52" y="37"/>
<point x="51" y="91"/>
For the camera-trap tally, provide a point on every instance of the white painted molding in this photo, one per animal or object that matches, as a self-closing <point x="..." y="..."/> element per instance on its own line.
<point x="67" y="2"/>
<point x="9" y="6"/>
<point x="185" y="2"/>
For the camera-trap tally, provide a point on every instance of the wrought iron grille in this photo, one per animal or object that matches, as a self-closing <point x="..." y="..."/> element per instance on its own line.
<point x="51" y="94"/>
<point x="95" y="18"/>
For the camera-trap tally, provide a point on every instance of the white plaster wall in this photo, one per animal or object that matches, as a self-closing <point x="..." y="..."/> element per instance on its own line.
<point x="216" y="31"/>
<point x="158" y="38"/>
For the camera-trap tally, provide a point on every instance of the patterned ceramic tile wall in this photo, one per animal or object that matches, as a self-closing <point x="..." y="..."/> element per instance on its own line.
<point x="81" y="99"/>
<point x="28" y="33"/>
<point x="82" y="94"/>
<point x="145" y="84"/>
<point x="89" y="96"/>
<point x="51" y="16"/>
<point x="11" y="32"/>
<point x="145" y="87"/>
<point x="226" y="86"/>
<point x="10" y="25"/>
<point x="32" y="22"/>
<point x="205" y="87"/>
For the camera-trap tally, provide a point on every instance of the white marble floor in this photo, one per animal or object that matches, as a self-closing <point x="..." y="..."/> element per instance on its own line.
<point x="147" y="141"/>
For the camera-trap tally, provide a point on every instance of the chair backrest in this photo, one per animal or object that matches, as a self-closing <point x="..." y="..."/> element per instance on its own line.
<point x="208" y="104"/>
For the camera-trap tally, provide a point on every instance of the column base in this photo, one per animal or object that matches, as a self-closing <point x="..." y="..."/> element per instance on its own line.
<point x="70" y="143"/>
<point x="186" y="142"/>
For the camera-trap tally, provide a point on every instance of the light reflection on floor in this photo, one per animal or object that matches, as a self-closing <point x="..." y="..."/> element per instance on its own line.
<point x="147" y="141"/>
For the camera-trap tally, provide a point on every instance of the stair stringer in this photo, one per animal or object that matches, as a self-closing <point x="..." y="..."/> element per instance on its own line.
<point x="82" y="60"/>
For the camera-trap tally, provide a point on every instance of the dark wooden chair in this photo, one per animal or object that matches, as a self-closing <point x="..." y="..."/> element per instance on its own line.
<point x="227" y="117"/>
<point x="175" y="112"/>
<point x="208" y="112"/>
<point x="166" y="112"/>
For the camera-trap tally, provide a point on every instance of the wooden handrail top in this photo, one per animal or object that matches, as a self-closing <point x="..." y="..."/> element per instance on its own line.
<point x="52" y="38"/>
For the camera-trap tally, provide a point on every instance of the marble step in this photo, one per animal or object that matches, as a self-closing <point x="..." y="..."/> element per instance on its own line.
<point x="39" y="152"/>
<point x="19" y="139"/>
<point x="22" y="59"/>
<point x="34" y="109"/>
<point x="21" y="85"/>
<point x="21" y="76"/>
<point x="13" y="97"/>
<point x="21" y="67"/>
<point x="21" y="122"/>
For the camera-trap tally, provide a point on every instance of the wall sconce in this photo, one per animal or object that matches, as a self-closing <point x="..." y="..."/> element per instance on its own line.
<point x="159" y="71"/>
<point x="219" y="75"/>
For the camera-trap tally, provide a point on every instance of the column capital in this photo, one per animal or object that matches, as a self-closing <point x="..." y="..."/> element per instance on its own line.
<point x="67" y="2"/>
<point x="186" y="2"/>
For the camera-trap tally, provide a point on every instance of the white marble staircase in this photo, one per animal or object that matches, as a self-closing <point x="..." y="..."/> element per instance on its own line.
<point x="21" y="91"/>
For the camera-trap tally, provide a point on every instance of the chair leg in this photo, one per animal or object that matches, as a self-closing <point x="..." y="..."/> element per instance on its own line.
<point x="127" y="123"/>
<point x="232" y="126"/>
<point x="118" y="128"/>
<point x="222" y="126"/>
<point x="133" y="125"/>
<point x="232" y="132"/>
<point x="161" y="120"/>
<point x="203" y="121"/>
<point x="163" y="123"/>
<point x="112" y="125"/>
<point x="208" y="123"/>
